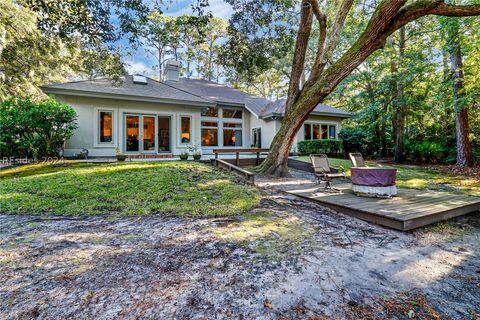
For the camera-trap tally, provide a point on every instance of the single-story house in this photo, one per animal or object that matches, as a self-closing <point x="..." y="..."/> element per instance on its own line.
<point x="144" y="117"/>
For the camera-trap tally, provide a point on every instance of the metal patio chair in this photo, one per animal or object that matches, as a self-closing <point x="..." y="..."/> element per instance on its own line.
<point x="324" y="172"/>
<point x="357" y="160"/>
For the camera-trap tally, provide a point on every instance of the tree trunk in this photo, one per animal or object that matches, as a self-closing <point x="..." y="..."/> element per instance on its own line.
<point x="400" y="109"/>
<point x="160" y="59"/>
<point x="277" y="161"/>
<point x="464" y="145"/>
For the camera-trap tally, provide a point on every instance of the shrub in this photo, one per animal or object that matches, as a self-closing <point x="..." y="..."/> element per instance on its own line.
<point x="330" y="147"/>
<point x="35" y="130"/>
<point x="425" y="151"/>
<point x="356" y="140"/>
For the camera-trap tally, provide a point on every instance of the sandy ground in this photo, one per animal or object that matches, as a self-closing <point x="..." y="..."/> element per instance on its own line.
<point x="287" y="259"/>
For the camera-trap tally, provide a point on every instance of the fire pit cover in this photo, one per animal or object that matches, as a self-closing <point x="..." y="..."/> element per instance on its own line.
<point x="374" y="177"/>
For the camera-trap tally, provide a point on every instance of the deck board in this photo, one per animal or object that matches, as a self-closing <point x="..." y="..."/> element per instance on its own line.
<point x="408" y="210"/>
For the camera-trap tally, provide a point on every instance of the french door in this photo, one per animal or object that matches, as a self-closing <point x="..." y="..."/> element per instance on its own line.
<point x="140" y="133"/>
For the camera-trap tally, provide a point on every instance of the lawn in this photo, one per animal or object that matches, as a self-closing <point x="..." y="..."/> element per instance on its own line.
<point x="169" y="188"/>
<point x="419" y="178"/>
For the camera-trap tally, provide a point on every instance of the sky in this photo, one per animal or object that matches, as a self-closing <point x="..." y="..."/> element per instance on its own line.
<point x="142" y="62"/>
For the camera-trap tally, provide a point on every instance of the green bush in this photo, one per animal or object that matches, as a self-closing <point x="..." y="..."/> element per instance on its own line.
<point x="330" y="147"/>
<point x="34" y="130"/>
<point x="356" y="140"/>
<point x="425" y="151"/>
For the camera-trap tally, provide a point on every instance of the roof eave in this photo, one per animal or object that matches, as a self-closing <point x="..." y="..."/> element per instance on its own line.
<point x="84" y="93"/>
<point x="328" y="114"/>
<point x="274" y="115"/>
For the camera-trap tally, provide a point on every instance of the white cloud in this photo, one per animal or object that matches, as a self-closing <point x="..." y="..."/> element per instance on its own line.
<point x="137" y="67"/>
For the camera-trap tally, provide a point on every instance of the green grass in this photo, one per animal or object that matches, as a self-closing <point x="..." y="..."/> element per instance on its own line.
<point x="419" y="178"/>
<point x="168" y="188"/>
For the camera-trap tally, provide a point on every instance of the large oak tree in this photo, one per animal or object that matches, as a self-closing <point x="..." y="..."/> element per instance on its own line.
<point x="327" y="72"/>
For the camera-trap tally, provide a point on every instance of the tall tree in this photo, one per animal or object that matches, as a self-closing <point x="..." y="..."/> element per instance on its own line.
<point x="326" y="74"/>
<point x="464" y="145"/>
<point x="161" y="36"/>
<point x="399" y="100"/>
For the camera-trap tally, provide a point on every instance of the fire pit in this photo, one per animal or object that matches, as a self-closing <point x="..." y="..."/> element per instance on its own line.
<point x="374" y="182"/>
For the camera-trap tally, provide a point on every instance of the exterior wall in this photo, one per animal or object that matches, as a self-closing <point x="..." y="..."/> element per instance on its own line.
<point x="87" y="134"/>
<point x="269" y="129"/>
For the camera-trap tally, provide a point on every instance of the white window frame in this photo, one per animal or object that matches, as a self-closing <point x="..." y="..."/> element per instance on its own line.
<point x="179" y="132"/>
<point x="221" y="120"/>
<point x="96" y="123"/>
<point x="204" y="119"/>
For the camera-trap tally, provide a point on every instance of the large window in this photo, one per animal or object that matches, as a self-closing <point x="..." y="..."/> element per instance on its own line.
<point x="222" y="127"/>
<point x="186" y="130"/>
<point x="232" y="135"/>
<point x="209" y="133"/>
<point x="317" y="131"/>
<point x="106" y="126"/>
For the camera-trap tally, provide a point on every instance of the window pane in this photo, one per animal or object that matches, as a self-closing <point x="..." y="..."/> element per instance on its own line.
<point x="210" y="112"/>
<point x="324" y="131"/>
<point x="308" y="131"/>
<point x="132" y="123"/>
<point x="149" y="133"/>
<point x="232" y="138"/>
<point x="105" y="126"/>
<point x="257" y="138"/>
<point x="185" y="126"/>
<point x="332" y="132"/>
<point x="209" y="124"/>
<point x="232" y="113"/>
<point x="232" y="125"/>
<point x="316" y="132"/>
<point x="210" y="137"/>
<point x="163" y="134"/>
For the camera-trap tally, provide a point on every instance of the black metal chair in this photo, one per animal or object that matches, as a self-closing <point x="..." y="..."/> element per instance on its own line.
<point x="324" y="172"/>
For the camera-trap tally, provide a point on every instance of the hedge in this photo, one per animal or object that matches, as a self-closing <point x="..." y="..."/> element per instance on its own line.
<point x="331" y="147"/>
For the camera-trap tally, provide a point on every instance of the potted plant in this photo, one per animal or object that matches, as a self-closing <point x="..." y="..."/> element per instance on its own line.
<point x="120" y="156"/>
<point x="196" y="151"/>
<point x="184" y="155"/>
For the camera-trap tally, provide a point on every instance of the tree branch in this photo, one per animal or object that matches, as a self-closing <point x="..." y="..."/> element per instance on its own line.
<point x="335" y="33"/>
<point x="301" y="45"/>
<point x="419" y="9"/>
<point x="322" y="20"/>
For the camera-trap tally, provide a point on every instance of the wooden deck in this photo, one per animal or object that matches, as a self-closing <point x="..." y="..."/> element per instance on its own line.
<point x="410" y="209"/>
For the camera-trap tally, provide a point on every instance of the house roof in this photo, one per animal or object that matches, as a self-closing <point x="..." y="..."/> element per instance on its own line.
<point x="261" y="107"/>
<point x="152" y="90"/>
<point x="191" y="91"/>
<point x="221" y="94"/>
<point x="277" y="108"/>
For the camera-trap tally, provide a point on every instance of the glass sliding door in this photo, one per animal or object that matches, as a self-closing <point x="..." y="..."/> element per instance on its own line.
<point x="140" y="133"/>
<point x="164" y="134"/>
<point x="149" y="134"/>
<point x="132" y="133"/>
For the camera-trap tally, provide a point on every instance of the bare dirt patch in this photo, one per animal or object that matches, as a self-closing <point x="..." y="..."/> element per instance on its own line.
<point x="286" y="259"/>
